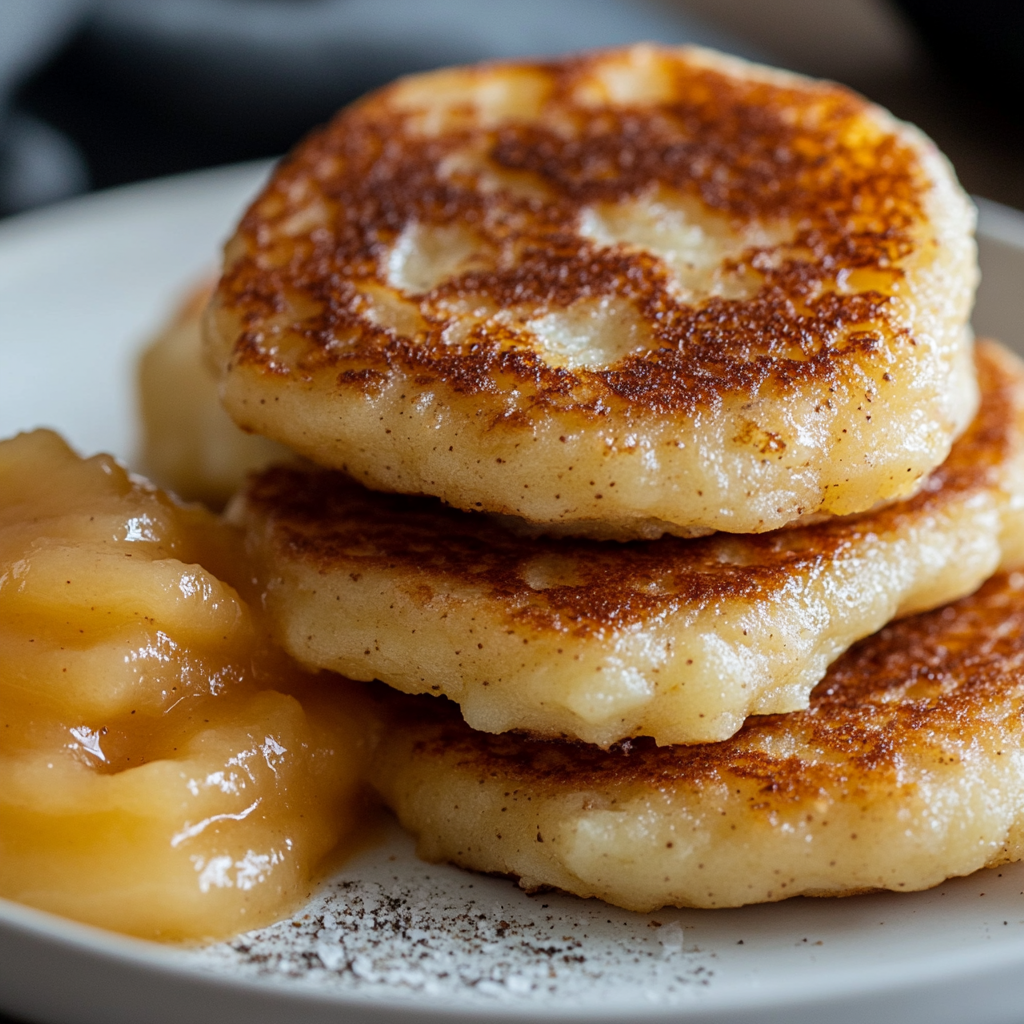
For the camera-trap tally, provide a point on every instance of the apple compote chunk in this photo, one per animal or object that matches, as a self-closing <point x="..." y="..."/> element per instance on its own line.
<point x="163" y="771"/>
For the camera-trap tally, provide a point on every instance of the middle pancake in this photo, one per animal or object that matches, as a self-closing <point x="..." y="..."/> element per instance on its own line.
<point x="676" y="639"/>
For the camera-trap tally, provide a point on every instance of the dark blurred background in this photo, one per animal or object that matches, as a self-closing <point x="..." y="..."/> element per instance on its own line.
<point x="95" y="93"/>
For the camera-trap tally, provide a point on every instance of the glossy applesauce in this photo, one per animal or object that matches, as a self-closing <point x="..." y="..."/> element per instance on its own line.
<point x="163" y="772"/>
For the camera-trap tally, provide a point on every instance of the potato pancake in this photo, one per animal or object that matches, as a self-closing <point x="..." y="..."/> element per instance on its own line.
<point x="619" y="294"/>
<point x="906" y="769"/>
<point x="676" y="639"/>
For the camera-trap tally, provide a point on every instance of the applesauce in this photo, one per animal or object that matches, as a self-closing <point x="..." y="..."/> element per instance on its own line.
<point x="163" y="771"/>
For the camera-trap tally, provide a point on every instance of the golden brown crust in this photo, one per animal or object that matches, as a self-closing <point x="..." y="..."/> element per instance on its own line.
<point x="467" y="276"/>
<point x="750" y="150"/>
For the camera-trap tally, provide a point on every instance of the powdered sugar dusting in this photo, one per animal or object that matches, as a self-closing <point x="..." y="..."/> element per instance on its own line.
<point x="389" y="929"/>
<point x="393" y="926"/>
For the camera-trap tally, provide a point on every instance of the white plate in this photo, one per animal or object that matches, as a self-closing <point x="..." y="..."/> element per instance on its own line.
<point x="80" y="285"/>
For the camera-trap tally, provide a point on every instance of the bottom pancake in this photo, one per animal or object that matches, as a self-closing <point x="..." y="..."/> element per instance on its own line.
<point x="906" y="769"/>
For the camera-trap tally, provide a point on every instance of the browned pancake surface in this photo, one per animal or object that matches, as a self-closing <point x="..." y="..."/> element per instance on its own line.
<point x="857" y="199"/>
<point x="954" y="676"/>
<point x="494" y="263"/>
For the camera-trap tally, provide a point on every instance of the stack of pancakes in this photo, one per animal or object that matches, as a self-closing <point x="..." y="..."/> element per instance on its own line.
<point x="636" y="388"/>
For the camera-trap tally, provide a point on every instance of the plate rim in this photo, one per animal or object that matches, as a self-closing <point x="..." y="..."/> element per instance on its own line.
<point x="946" y="971"/>
<point x="943" y="974"/>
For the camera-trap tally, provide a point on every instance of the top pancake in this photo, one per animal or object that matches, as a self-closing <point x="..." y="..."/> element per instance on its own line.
<point x="617" y="294"/>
